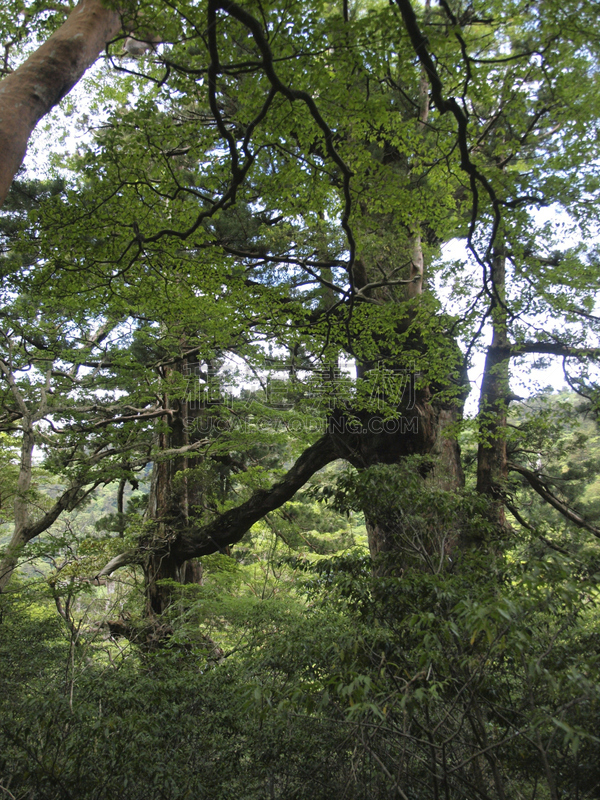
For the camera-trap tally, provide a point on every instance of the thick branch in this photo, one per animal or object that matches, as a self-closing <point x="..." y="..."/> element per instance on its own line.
<point x="554" y="349"/>
<point x="495" y="390"/>
<point x="68" y="501"/>
<point x="26" y="531"/>
<point x="122" y="560"/>
<point x="231" y="526"/>
<point x="32" y="90"/>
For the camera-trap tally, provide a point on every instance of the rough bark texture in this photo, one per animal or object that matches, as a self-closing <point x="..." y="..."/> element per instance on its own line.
<point x="444" y="472"/>
<point x="362" y="438"/>
<point x="177" y="543"/>
<point x="172" y="497"/>
<point x="423" y="427"/>
<point x="50" y="73"/>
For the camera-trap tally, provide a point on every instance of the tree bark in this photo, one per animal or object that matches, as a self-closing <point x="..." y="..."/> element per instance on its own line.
<point x="425" y="430"/>
<point x="423" y="426"/>
<point x="492" y="462"/>
<point x="172" y="498"/>
<point x="32" y="90"/>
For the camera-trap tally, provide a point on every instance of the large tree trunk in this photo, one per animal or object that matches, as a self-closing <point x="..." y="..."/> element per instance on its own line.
<point x="422" y="430"/>
<point x="423" y="426"/>
<point x="32" y="90"/>
<point x="172" y="499"/>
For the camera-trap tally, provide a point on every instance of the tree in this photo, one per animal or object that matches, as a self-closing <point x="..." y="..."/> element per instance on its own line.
<point x="289" y="178"/>
<point x="270" y="192"/>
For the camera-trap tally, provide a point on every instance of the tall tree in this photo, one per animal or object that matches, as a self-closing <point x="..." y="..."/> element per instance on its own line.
<point x="300" y="153"/>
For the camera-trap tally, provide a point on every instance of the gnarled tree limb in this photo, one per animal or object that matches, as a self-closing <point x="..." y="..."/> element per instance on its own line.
<point x="229" y="527"/>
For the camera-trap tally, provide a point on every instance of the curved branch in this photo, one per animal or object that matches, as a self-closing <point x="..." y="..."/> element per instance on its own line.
<point x="419" y="42"/>
<point x="23" y="534"/>
<point x="539" y="486"/>
<point x="122" y="560"/>
<point x="255" y="28"/>
<point x="231" y="526"/>
<point x="228" y="528"/>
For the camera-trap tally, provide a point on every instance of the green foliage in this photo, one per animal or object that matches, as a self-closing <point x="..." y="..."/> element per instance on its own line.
<point x="479" y="676"/>
<point x="235" y="208"/>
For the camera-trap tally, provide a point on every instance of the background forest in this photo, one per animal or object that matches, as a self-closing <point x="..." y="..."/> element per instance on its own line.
<point x="257" y="263"/>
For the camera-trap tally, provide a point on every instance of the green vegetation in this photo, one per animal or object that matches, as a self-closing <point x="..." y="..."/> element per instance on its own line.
<point x="290" y="674"/>
<point x="251" y="545"/>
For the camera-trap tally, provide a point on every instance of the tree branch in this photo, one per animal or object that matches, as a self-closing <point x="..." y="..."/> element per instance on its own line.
<point x="419" y="42"/>
<point x="554" y="349"/>
<point x="228" y="528"/>
<point x="538" y="485"/>
<point x="32" y="90"/>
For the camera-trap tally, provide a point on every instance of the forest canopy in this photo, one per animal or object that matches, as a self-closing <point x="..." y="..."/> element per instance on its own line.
<point x="262" y="257"/>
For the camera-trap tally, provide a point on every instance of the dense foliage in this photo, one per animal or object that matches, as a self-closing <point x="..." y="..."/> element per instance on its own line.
<point x="252" y="546"/>
<point x="286" y="677"/>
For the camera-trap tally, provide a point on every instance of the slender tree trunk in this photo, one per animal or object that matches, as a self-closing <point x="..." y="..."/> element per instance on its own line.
<point x="21" y="504"/>
<point x="492" y="462"/>
<point x="417" y="265"/>
<point x="32" y="90"/>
